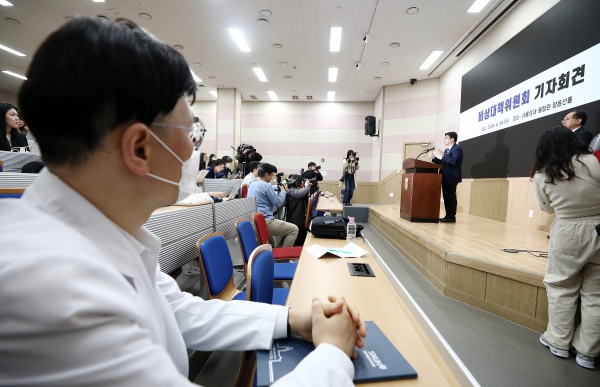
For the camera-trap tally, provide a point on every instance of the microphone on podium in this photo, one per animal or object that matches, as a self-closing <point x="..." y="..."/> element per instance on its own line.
<point x="425" y="151"/>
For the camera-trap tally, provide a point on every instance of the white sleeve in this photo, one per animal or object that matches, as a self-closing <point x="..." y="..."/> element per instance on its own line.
<point x="541" y="196"/>
<point x="327" y="365"/>
<point x="221" y="325"/>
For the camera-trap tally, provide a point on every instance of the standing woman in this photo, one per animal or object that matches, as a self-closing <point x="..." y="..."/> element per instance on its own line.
<point x="566" y="178"/>
<point x="12" y="138"/>
<point x="203" y="160"/>
<point x="348" y="180"/>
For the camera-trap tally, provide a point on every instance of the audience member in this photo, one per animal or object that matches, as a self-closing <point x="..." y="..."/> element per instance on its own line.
<point x="99" y="310"/>
<point x="203" y="160"/>
<point x="348" y="180"/>
<point x="226" y="172"/>
<point x="566" y="178"/>
<point x="215" y="170"/>
<point x="268" y="198"/>
<point x="32" y="167"/>
<point x="211" y="160"/>
<point x="297" y="197"/>
<point x="12" y="137"/>
<point x="253" y="173"/>
<point x="313" y="172"/>
<point x="574" y="121"/>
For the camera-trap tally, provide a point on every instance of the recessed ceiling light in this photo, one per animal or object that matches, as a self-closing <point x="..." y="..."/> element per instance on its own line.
<point x="13" y="74"/>
<point x="260" y="74"/>
<point x="370" y="91"/>
<point x="5" y="3"/>
<point x="377" y="78"/>
<point x="239" y="39"/>
<point x="254" y="64"/>
<point x="214" y="93"/>
<point x="197" y="64"/>
<point x="385" y="63"/>
<point x="146" y="16"/>
<point x="412" y="10"/>
<point x="178" y="46"/>
<point x="394" y="45"/>
<point x="292" y="91"/>
<point x="253" y="96"/>
<point x="69" y="17"/>
<point x="294" y="97"/>
<point x="338" y="7"/>
<point x="272" y="95"/>
<point x="116" y="13"/>
<point x="335" y="39"/>
<point x="266" y="13"/>
<point x="220" y="86"/>
<point x="17" y="53"/>
<point x="478" y="6"/>
<point x="196" y="78"/>
<point x="283" y="63"/>
<point x="99" y="1"/>
<point x="263" y="21"/>
<point x="331" y="95"/>
<point x="333" y="71"/>
<point x="277" y="45"/>
<point x="211" y="77"/>
<point x="200" y="85"/>
<point x="287" y="77"/>
<point x="13" y="21"/>
<point x="430" y="59"/>
<point x="309" y="97"/>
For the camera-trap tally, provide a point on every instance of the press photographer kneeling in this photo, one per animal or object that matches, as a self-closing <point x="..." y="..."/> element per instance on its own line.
<point x="268" y="198"/>
<point x="296" y="204"/>
<point x="313" y="172"/>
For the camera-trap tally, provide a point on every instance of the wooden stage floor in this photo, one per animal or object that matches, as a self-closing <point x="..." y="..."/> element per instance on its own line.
<point x="465" y="261"/>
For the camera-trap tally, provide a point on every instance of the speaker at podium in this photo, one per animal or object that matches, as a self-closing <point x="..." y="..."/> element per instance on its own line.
<point x="421" y="190"/>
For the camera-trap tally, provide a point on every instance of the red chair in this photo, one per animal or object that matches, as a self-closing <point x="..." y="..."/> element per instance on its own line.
<point x="263" y="238"/>
<point x="244" y="191"/>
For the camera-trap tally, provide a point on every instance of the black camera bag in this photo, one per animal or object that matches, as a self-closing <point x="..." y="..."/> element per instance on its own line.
<point x="333" y="227"/>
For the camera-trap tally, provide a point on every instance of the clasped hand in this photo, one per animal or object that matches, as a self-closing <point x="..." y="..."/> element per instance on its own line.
<point x="336" y="322"/>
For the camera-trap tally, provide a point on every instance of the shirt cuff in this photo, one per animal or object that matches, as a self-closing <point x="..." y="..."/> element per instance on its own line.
<point x="280" y="331"/>
<point x="333" y="355"/>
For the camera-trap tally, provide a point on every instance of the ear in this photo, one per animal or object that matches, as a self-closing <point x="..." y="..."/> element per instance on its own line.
<point x="135" y="148"/>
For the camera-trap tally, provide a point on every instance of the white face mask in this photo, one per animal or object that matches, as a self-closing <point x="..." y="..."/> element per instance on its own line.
<point x="189" y="171"/>
<point x="227" y="165"/>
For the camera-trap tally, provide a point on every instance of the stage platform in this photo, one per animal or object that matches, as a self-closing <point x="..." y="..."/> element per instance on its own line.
<point x="465" y="261"/>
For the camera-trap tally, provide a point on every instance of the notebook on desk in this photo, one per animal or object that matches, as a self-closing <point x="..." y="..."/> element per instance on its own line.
<point x="377" y="361"/>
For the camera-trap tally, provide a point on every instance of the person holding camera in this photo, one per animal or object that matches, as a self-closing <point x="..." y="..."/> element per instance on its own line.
<point x="245" y="155"/>
<point x="297" y="196"/>
<point x="268" y="198"/>
<point x="313" y="171"/>
<point x="348" y="179"/>
<point x="566" y="180"/>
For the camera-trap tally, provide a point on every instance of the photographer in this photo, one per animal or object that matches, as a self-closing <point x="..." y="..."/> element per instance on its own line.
<point x="267" y="199"/>
<point x="348" y="179"/>
<point x="296" y="205"/>
<point x="313" y="171"/>
<point x="245" y="155"/>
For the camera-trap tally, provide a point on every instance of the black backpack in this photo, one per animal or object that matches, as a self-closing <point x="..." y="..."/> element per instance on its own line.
<point x="333" y="227"/>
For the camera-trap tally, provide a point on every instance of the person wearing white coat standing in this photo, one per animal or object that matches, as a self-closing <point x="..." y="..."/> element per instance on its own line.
<point x="82" y="299"/>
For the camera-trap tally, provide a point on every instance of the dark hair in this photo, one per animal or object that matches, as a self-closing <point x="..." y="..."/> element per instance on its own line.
<point x="218" y="162"/>
<point x="580" y="115"/>
<point x="453" y="135"/>
<point x="311" y="164"/>
<point x="350" y="152"/>
<point x="297" y="179"/>
<point x="253" y="165"/>
<point x="554" y="154"/>
<point x="227" y="159"/>
<point x="107" y="73"/>
<point x="4" y="144"/>
<point x="202" y="161"/>
<point x="211" y="156"/>
<point x="266" y="168"/>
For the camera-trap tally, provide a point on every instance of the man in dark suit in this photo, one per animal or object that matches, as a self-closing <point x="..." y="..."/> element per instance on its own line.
<point x="451" y="160"/>
<point x="575" y="120"/>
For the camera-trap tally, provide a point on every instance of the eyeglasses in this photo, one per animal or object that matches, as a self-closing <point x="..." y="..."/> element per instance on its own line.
<point x="196" y="133"/>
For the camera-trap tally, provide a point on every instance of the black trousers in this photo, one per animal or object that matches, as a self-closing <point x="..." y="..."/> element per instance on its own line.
<point x="449" y="193"/>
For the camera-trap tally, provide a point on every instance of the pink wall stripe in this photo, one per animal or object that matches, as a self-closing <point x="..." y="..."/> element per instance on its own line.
<point x="209" y="120"/>
<point x="208" y="146"/>
<point x="393" y="144"/>
<point x="225" y="141"/>
<point x="421" y="107"/>
<point x="225" y="110"/>
<point x="449" y="97"/>
<point x="395" y="109"/>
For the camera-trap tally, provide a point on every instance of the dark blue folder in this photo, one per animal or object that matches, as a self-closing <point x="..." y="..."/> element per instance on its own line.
<point x="378" y="360"/>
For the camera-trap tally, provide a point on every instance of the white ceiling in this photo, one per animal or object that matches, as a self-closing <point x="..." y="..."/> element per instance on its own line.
<point x="301" y="26"/>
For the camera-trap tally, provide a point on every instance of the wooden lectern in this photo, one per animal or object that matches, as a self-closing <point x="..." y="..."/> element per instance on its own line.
<point x="421" y="187"/>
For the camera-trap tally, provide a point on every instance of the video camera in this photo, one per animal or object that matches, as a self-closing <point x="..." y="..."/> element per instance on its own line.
<point x="242" y="147"/>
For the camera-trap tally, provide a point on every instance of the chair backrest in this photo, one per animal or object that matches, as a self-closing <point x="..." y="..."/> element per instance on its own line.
<point x="1" y="166"/>
<point x="261" y="228"/>
<point x="261" y="267"/>
<point x="309" y="212"/>
<point x="216" y="263"/>
<point x="244" y="191"/>
<point x="11" y="193"/>
<point x="246" y="239"/>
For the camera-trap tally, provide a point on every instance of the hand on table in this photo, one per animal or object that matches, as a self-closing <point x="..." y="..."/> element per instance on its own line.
<point x="217" y="194"/>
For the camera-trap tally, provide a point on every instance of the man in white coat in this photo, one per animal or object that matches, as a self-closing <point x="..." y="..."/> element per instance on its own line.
<point x="82" y="299"/>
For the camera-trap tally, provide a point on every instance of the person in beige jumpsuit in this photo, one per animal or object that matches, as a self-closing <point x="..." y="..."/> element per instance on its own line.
<point x="566" y="179"/>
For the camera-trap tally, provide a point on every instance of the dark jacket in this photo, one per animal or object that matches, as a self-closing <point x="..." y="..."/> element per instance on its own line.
<point x="585" y="136"/>
<point x="309" y="174"/>
<point x="296" y="200"/>
<point x="210" y="174"/>
<point x="244" y="161"/>
<point x="451" y="165"/>
<point x="16" y="138"/>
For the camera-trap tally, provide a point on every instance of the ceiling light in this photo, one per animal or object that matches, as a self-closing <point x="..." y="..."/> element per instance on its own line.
<point x="69" y="17"/>
<point x="239" y="39"/>
<point x="13" y="21"/>
<point x="197" y="64"/>
<point x="378" y="78"/>
<point x="394" y="45"/>
<point x="99" y="1"/>
<point x="478" y="6"/>
<point x="335" y="39"/>
<point x="292" y="91"/>
<point x="5" y="3"/>
<point x="430" y="59"/>
<point x="211" y="77"/>
<point x="259" y="73"/>
<point x="17" y="53"/>
<point x="333" y="74"/>
<point x="385" y="63"/>
<point x="263" y="21"/>
<point x="412" y="10"/>
<point x="272" y="95"/>
<point x="220" y="86"/>
<point x="370" y="91"/>
<point x="145" y="16"/>
<point x="331" y="95"/>
<point x="283" y="63"/>
<point x="277" y="45"/>
<point x="178" y="46"/>
<point x="196" y="78"/>
<point x="214" y="93"/>
<point x="13" y="74"/>
<point x="266" y="12"/>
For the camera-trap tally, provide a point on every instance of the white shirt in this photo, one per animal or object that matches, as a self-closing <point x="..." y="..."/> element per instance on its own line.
<point x="248" y="178"/>
<point x="84" y="303"/>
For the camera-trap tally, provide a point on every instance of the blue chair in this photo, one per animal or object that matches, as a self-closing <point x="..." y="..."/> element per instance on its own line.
<point x="259" y="287"/>
<point x="247" y="240"/>
<point x="11" y="193"/>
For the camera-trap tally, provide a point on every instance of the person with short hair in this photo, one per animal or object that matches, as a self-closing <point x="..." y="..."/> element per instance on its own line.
<point x="566" y="180"/>
<point x="313" y="172"/>
<point x="574" y="121"/>
<point x="253" y="173"/>
<point x="99" y="311"/>
<point x="348" y="180"/>
<point x="226" y="172"/>
<point x="266" y="199"/>
<point x="451" y="160"/>
<point x="295" y="203"/>
<point x="215" y="170"/>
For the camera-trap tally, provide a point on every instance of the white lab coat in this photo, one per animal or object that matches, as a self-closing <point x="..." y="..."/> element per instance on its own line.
<point x="83" y="303"/>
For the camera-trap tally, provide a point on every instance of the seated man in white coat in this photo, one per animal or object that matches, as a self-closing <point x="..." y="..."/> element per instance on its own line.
<point x="82" y="299"/>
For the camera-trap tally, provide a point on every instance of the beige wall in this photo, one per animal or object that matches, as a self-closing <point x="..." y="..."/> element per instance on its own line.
<point x="8" y="97"/>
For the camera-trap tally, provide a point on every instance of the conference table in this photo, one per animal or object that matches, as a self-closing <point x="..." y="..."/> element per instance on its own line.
<point x="330" y="203"/>
<point x="384" y="300"/>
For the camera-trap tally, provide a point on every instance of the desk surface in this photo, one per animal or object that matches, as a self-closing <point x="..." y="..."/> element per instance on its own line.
<point x="377" y="300"/>
<point x="331" y="203"/>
